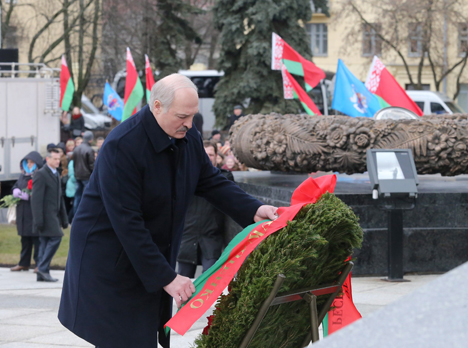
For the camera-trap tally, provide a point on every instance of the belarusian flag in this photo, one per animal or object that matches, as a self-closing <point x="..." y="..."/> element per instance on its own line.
<point x="133" y="88"/>
<point x="295" y="63"/>
<point x="67" y="87"/>
<point x="299" y="93"/>
<point x="343" y="311"/>
<point x="383" y="84"/>
<point x="149" y="78"/>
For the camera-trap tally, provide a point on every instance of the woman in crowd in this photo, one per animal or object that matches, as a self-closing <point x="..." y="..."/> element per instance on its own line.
<point x="219" y="160"/>
<point x="77" y="125"/>
<point x="230" y="164"/>
<point x="70" y="191"/>
<point x="24" y="220"/>
<point x="78" y="141"/>
<point x="70" y="146"/>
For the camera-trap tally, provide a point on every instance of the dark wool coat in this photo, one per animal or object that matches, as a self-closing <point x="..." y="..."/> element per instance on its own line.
<point x="204" y="228"/>
<point x="24" y="218"/>
<point x="48" y="207"/>
<point x="127" y="230"/>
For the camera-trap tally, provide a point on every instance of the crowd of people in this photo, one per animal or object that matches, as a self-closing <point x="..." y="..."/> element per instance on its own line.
<point x="50" y="191"/>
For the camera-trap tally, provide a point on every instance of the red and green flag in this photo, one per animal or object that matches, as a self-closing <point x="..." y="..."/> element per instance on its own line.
<point x="133" y="88"/>
<point x="283" y="54"/>
<point x="343" y="311"/>
<point x="149" y="78"/>
<point x="290" y="84"/>
<point x="211" y="283"/>
<point x="67" y="87"/>
<point x="383" y="85"/>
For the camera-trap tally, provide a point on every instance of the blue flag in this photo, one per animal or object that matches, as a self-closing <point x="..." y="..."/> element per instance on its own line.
<point x="351" y="96"/>
<point x="113" y="102"/>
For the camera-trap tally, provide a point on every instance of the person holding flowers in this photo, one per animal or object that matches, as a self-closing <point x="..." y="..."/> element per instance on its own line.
<point x="24" y="219"/>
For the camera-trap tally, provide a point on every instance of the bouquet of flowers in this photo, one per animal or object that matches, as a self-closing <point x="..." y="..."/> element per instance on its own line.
<point x="10" y="200"/>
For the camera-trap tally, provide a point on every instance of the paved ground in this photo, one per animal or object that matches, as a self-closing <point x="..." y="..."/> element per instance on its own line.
<point x="28" y="309"/>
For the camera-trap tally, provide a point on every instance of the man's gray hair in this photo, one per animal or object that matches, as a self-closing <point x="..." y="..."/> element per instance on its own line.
<point x="164" y="90"/>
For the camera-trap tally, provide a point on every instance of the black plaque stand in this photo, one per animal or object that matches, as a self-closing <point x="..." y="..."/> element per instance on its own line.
<point x="308" y="295"/>
<point x="395" y="238"/>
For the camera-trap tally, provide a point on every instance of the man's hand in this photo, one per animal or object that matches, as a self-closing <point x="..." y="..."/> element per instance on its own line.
<point x="266" y="212"/>
<point x="181" y="289"/>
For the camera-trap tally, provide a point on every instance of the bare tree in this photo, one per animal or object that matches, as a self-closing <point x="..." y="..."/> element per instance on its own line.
<point x="87" y="37"/>
<point x="410" y="29"/>
<point x="7" y="9"/>
<point x="171" y="32"/>
<point x="204" y="49"/>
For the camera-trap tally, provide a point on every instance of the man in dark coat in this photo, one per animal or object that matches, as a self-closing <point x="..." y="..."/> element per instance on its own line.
<point x="236" y="115"/>
<point x="120" y="275"/>
<point x="202" y="241"/>
<point x="83" y="164"/>
<point x="49" y="213"/>
<point x="24" y="219"/>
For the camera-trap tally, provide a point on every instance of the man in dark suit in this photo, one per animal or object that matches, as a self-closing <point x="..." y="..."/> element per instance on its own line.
<point x="126" y="234"/>
<point x="49" y="213"/>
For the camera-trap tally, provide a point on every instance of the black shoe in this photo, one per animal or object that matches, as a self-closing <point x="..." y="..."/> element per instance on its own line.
<point x="45" y="277"/>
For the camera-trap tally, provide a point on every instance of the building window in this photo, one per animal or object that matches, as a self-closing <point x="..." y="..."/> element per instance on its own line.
<point x="415" y="40"/>
<point x="318" y="38"/>
<point x="462" y="39"/>
<point x="371" y="42"/>
<point x="11" y="38"/>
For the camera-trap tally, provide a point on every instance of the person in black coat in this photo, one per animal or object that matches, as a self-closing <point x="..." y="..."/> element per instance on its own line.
<point x="77" y="123"/>
<point x="120" y="275"/>
<point x="83" y="164"/>
<point x="198" y="123"/>
<point x="202" y="241"/>
<point x="238" y="113"/>
<point x="49" y="213"/>
<point x="24" y="219"/>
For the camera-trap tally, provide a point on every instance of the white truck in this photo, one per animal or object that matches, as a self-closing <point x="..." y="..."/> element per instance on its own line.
<point x="29" y="115"/>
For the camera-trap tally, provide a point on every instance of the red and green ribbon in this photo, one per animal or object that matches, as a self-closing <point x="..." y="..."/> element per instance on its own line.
<point x="211" y="284"/>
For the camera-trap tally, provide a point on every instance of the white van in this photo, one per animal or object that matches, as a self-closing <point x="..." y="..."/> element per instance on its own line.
<point x="94" y="120"/>
<point x="434" y="103"/>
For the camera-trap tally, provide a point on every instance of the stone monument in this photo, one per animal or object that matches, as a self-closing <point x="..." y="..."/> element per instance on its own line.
<point x="304" y="144"/>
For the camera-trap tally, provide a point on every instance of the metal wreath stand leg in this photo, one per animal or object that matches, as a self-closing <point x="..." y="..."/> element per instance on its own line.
<point x="308" y="295"/>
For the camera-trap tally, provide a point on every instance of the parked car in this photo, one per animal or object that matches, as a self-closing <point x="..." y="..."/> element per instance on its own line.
<point x="395" y="113"/>
<point x="434" y="102"/>
<point x="94" y="120"/>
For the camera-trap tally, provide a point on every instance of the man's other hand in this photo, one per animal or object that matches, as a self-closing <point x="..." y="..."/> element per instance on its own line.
<point x="266" y="212"/>
<point x="181" y="289"/>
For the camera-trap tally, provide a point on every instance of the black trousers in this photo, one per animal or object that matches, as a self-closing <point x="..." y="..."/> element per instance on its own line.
<point x="27" y="244"/>
<point x="189" y="269"/>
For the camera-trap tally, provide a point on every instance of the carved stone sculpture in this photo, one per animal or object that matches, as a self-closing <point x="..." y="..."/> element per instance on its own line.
<point x="304" y="144"/>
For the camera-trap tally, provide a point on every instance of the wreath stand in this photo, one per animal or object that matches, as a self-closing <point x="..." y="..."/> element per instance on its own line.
<point x="308" y="295"/>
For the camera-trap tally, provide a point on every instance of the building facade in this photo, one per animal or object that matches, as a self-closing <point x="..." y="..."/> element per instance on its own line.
<point x="345" y="35"/>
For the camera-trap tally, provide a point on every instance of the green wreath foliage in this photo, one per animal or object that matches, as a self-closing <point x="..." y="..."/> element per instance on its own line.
<point x="309" y="251"/>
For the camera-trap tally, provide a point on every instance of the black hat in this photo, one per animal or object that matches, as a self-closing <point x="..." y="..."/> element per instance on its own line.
<point x="238" y="107"/>
<point x="62" y="146"/>
<point x="215" y="132"/>
<point x="51" y="146"/>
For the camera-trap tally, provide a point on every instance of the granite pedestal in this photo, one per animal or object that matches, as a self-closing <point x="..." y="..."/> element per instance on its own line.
<point x="435" y="231"/>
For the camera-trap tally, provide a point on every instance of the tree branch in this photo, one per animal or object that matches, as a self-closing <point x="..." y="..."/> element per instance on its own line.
<point x="389" y="43"/>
